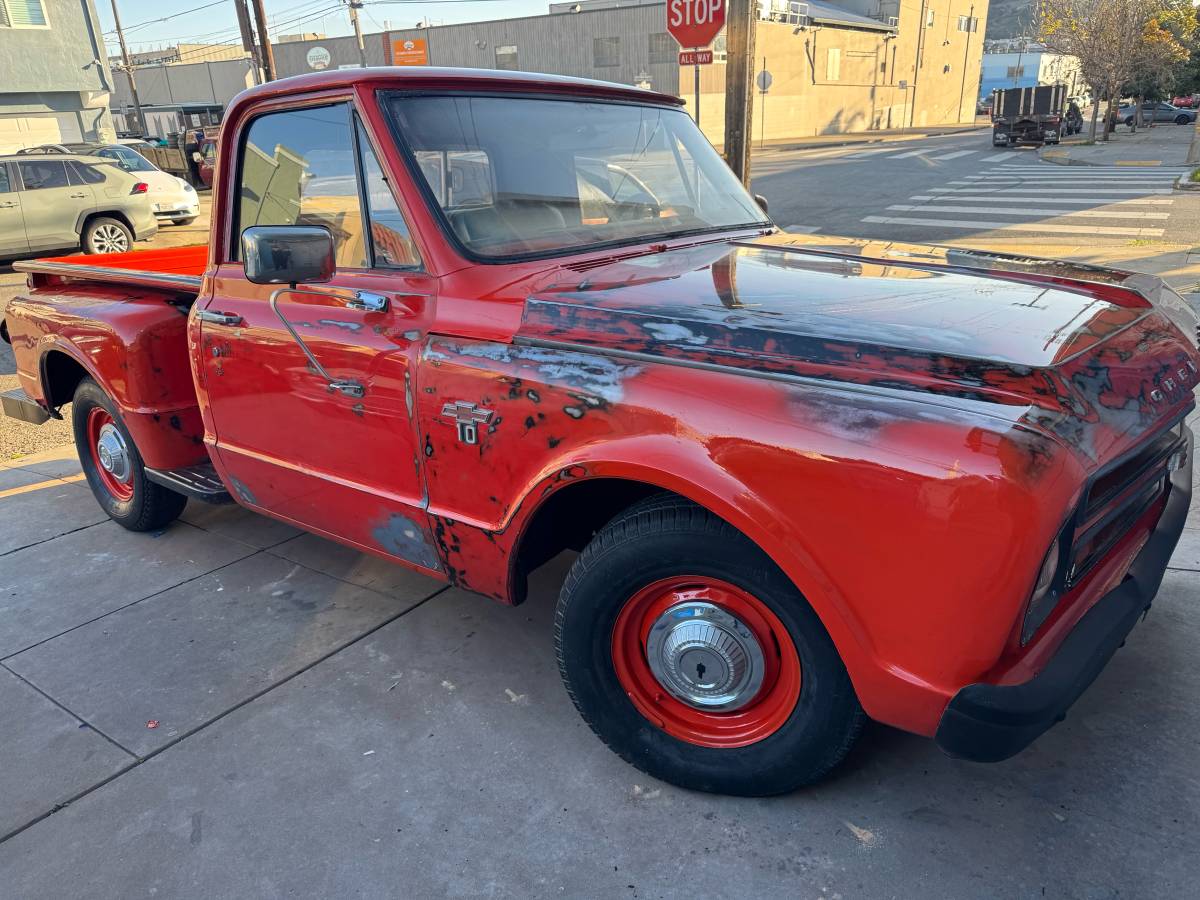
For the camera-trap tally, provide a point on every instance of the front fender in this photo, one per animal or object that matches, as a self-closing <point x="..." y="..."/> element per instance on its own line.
<point x="914" y="529"/>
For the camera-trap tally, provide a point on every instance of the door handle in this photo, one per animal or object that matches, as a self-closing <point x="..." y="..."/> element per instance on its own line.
<point x="368" y="301"/>
<point x="8" y="205"/>
<point x="78" y="196"/>
<point x="218" y="318"/>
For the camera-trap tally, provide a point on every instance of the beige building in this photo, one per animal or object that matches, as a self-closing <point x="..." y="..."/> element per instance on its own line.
<point x="834" y="70"/>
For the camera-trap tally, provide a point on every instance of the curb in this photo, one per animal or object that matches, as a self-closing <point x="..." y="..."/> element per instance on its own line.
<point x="1193" y="156"/>
<point x="1064" y="158"/>
<point x="866" y="138"/>
<point x="1182" y="183"/>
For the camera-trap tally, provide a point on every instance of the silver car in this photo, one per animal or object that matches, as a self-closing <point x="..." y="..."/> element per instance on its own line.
<point x="61" y="202"/>
<point x="1157" y="112"/>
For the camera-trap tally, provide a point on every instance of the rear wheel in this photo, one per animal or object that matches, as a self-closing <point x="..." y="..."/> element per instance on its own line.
<point x="105" y="235"/>
<point x="695" y="659"/>
<point x="113" y="466"/>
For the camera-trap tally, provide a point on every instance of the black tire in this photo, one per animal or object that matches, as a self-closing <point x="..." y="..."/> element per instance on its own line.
<point x="667" y="536"/>
<point x="184" y="221"/>
<point x="150" y="506"/>
<point x="106" y="235"/>
<point x="1183" y="120"/>
<point x="1129" y="122"/>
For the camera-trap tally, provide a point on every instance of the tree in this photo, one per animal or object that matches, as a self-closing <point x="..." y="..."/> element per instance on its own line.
<point x="1112" y="39"/>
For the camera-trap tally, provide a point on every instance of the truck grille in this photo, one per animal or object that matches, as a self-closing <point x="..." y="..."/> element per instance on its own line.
<point x="1118" y="497"/>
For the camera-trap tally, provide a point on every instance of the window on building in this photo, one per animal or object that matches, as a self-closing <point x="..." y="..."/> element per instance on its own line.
<point x="833" y="64"/>
<point x="43" y="174"/>
<point x="506" y="57"/>
<point x="1016" y="72"/>
<point x="929" y="18"/>
<point x="606" y="51"/>
<point x="297" y="168"/>
<point x="720" y="48"/>
<point x="969" y="24"/>
<point x="23" y="14"/>
<point x="662" y="47"/>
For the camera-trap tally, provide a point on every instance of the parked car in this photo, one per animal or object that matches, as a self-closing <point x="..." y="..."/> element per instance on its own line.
<point x="1186" y="102"/>
<point x="1157" y="112"/>
<point x="172" y="198"/>
<point x="470" y="320"/>
<point x="56" y="201"/>
<point x="205" y="158"/>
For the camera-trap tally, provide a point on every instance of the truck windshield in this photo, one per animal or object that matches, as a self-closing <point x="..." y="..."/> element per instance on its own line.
<point x="516" y="176"/>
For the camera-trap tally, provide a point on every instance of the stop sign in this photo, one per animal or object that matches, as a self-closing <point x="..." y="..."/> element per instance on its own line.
<point x="694" y="23"/>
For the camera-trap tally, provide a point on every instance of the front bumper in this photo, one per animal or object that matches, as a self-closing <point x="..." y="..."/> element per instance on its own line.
<point x="989" y="723"/>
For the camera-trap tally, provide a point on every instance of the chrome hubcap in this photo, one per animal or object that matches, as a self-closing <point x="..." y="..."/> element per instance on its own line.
<point x="705" y="656"/>
<point x="109" y="239"/>
<point x="112" y="453"/>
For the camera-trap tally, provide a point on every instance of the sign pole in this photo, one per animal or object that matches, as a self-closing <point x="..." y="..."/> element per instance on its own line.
<point x="696" y="82"/>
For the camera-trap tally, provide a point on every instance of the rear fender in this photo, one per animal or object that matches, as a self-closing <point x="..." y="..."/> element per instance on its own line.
<point x="133" y="345"/>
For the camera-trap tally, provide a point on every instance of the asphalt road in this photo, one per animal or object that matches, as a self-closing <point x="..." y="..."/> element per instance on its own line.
<point x="959" y="188"/>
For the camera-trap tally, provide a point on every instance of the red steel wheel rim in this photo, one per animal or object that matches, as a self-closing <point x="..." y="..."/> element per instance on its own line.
<point x="758" y="717"/>
<point x="98" y="419"/>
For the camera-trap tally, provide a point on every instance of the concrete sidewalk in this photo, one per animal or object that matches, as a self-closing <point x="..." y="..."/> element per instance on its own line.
<point x="864" y="137"/>
<point x="1163" y="145"/>
<point x="231" y="709"/>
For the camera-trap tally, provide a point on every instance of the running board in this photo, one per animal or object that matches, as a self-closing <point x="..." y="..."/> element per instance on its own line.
<point x="198" y="482"/>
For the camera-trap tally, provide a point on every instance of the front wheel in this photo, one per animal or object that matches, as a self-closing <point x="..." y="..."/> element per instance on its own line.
<point x="105" y="235"/>
<point x="1183" y="120"/>
<point x="113" y="466"/>
<point x="697" y="660"/>
<point x="187" y="221"/>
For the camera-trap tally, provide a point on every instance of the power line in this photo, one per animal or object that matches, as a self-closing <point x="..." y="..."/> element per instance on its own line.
<point x="167" y="18"/>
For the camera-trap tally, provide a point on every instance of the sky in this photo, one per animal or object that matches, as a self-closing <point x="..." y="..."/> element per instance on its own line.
<point x="217" y="22"/>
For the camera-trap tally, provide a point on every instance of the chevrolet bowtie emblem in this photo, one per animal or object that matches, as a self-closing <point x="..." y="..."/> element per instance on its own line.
<point x="468" y="417"/>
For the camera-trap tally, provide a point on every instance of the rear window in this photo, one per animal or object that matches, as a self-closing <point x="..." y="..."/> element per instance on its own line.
<point x="82" y="173"/>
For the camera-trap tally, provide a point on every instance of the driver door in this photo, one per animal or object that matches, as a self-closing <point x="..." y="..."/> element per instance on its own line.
<point x="339" y="454"/>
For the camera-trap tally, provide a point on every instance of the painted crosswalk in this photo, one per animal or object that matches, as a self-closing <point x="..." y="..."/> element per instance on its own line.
<point x="1037" y="198"/>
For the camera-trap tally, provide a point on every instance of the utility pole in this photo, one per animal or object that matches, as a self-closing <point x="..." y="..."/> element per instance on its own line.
<point x="739" y="85"/>
<point x="128" y="66"/>
<point x="918" y="64"/>
<point x="355" y="6"/>
<point x="243" y="17"/>
<point x="264" y="41"/>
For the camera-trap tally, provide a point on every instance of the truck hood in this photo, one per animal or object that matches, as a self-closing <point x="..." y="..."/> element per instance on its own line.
<point x="1096" y="357"/>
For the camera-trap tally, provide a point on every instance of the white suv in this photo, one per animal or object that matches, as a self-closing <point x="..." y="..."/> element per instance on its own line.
<point x="171" y="198"/>
<point x="61" y="202"/>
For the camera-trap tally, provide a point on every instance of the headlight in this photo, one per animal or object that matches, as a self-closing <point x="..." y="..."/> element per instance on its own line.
<point x="1045" y="594"/>
<point x="188" y="188"/>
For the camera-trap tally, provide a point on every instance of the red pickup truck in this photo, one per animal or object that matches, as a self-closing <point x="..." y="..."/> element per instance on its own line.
<point x="467" y="320"/>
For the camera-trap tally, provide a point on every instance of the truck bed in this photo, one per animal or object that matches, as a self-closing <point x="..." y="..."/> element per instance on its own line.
<point x="177" y="269"/>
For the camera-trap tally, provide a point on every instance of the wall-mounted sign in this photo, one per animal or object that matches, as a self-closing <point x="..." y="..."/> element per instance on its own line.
<point x="410" y="52"/>
<point x="695" y="57"/>
<point x="318" y="58"/>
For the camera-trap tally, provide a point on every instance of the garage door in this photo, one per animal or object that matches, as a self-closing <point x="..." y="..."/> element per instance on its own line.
<point x="18" y="132"/>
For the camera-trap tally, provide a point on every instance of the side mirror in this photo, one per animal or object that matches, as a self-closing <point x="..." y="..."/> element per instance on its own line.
<point x="287" y="254"/>
<point x="762" y="202"/>
<point x="196" y="156"/>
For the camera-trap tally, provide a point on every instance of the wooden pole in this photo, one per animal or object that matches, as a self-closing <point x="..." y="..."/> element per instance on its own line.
<point x="264" y="41"/>
<point x="128" y="67"/>
<point x="243" y="17"/>
<point x="739" y="85"/>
